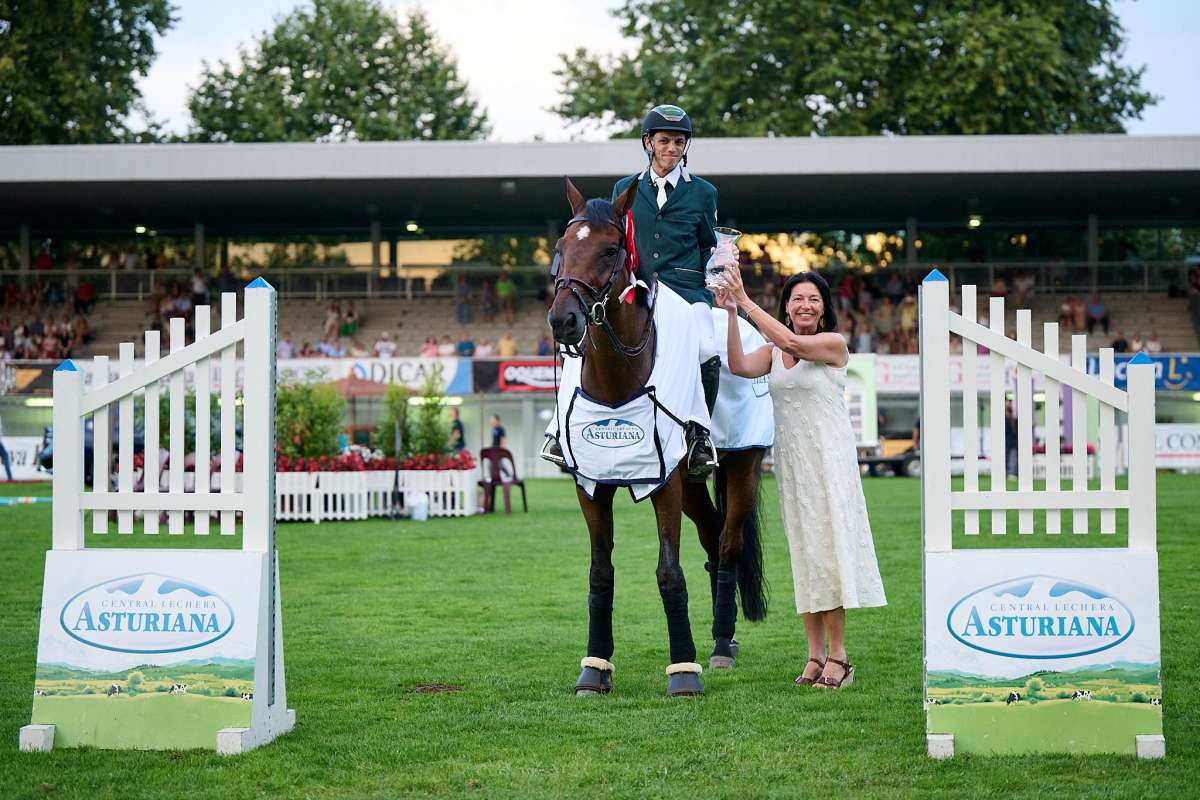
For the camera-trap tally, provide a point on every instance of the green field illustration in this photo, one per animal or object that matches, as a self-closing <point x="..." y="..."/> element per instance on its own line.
<point x="176" y="706"/>
<point x="1098" y="709"/>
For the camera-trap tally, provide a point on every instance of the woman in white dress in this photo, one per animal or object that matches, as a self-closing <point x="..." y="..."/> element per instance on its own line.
<point x="816" y="464"/>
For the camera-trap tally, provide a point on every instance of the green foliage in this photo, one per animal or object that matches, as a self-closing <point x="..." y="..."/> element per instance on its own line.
<point x="1138" y="697"/>
<point x="308" y="419"/>
<point x="504" y="251"/>
<point x="189" y="421"/>
<point x="1063" y="695"/>
<point x="69" y="69"/>
<point x="1034" y="688"/>
<point x="801" y="67"/>
<point x="231" y="692"/>
<point x="337" y="70"/>
<point x="985" y="698"/>
<point x="395" y="407"/>
<point x="429" y="430"/>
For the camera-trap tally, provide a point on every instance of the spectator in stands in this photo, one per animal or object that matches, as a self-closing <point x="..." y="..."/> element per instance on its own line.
<point x="466" y="345"/>
<point x="5" y="351"/>
<point x="349" y="324"/>
<point x="308" y="351"/>
<point x="1066" y="312"/>
<point x="285" y="349"/>
<point x="333" y="318"/>
<point x="225" y="280"/>
<point x="485" y="349"/>
<point x="462" y="301"/>
<point x="999" y="287"/>
<point x="1153" y="345"/>
<point x="908" y="314"/>
<point x="85" y="296"/>
<point x="1135" y="344"/>
<point x="429" y="348"/>
<point x="544" y="346"/>
<point x="1097" y="314"/>
<point x="1079" y="315"/>
<point x="384" y="346"/>
<point x="199" y="289"/>
<point x="1119" y="343"/>
<point x="1023" y="287"/>
<point x="894" y="289"/>
<point x="336" y="348"/>
<point x="883" y="318"/>
<point x="43" y="260"/>
<point x="847" y="293"/>
<point x="506" y="296"/>
<point x="487" y="301"/>
<point x="862" y="337"/>
<point x="507" y="346"/>
<point x="446" y="347"/>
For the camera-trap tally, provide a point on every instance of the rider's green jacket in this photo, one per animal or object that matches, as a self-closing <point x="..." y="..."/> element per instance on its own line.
<point x="674" y="241"/>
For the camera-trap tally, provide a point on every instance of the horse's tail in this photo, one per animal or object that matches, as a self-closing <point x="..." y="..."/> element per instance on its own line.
<point x="752" y="580"/>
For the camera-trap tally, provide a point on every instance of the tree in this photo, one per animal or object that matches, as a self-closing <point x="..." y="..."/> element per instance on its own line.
<point x="802" y="67"/>
<point x="337" y="70"/>
<point x="69" y="69"/>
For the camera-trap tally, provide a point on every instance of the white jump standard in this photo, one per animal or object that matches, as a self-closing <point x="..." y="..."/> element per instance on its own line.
<point x="1058" y="644"/>
<point x="140" y="620"/>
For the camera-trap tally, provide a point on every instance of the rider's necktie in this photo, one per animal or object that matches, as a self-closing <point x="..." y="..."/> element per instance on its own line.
<point x="662" y="192"/>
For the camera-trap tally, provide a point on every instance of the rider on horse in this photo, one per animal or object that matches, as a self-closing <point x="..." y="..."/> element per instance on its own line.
<point x="673" y="216"/>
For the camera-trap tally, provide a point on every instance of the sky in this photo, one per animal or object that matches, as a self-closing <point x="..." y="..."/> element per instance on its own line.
<point x="507" y="51"/>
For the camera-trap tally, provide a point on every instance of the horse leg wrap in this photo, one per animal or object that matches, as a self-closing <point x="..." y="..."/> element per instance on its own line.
<point x="725" y="605"/>
<point x="679" y="628"/>
<point x="600" y="636"/>
<point x="710" y="380"/>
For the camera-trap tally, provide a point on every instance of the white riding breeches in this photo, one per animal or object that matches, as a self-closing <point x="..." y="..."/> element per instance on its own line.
<point x="704" y="330"/>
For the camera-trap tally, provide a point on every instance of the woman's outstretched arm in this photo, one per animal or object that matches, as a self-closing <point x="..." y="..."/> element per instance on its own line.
<point x="752" y="365"/>
<point x="824" y="348"/>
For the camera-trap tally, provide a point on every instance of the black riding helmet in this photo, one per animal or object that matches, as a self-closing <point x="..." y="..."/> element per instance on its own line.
<point x="667" y="118"/>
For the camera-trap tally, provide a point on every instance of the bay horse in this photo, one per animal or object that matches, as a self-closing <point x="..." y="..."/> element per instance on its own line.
<point x="617" y="341"/>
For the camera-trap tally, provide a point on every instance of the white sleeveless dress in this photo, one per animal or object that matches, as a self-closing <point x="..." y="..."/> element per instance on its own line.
<point x="820" y="489"/>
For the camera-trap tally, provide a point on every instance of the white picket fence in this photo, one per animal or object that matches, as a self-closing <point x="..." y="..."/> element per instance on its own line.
<point x="210" y="350"/>
<point x="939" y="501"/>
<point x="320" y="496"/>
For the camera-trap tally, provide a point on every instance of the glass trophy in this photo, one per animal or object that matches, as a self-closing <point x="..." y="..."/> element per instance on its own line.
<point x="723" y="256"/>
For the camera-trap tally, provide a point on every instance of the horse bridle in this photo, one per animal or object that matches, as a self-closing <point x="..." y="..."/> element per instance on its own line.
<point x="596" y="313"/>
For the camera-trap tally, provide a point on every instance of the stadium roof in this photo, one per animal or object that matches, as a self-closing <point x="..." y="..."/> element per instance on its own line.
<point x="464" y="187"/>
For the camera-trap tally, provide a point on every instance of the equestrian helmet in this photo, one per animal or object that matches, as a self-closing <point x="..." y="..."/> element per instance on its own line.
<point x="667" y="118"/>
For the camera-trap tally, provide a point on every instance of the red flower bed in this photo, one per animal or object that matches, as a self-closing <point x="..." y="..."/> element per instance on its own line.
<point x="354" y="462"/>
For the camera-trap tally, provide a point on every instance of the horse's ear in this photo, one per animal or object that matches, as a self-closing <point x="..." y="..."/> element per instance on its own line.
<point x="625" y="201"/>
<point x="575" y="199"/>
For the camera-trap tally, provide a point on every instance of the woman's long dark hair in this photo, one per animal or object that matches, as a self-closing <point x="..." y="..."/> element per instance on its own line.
<point x="828" y="321"/>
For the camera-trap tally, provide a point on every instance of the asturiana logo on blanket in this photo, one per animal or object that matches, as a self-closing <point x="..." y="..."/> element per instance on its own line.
<point x="613" y="432"/>
<point x="1040" y="616"/>
<point x="147" y="613"/>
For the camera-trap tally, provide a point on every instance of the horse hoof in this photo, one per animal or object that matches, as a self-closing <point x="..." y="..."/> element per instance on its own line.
<point x="720" y="662"/>
<point x="683" y="680"/>
<point x="593" y="681"/>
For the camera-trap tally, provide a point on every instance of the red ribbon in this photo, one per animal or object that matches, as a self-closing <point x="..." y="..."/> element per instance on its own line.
<point x="631" y="256"/>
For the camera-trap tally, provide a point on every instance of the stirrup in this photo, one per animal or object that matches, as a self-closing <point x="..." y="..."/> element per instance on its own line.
<point x="709" y="454"/>
<point x="552" y="452"/>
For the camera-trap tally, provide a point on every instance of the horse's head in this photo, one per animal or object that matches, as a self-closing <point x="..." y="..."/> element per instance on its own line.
<point x="588" y="268"/>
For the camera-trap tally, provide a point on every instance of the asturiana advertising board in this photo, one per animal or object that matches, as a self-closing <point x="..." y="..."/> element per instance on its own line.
<point x="1042" y="650"/>
<point x="145" y="648"/>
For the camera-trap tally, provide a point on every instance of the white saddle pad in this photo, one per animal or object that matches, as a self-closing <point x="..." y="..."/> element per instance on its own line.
<point x="743" y="416"/>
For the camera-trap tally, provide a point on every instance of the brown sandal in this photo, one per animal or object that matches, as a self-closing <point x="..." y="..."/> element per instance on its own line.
<point x="846" y="679"/>
<point x="803" y="681"/>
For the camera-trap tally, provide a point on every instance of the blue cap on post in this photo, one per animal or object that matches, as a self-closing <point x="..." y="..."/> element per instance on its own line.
<point x="259" y="283"/>
<point x="1141" y="358"/>
<point x="67" y="366"/>
<point x="936" y="275"/>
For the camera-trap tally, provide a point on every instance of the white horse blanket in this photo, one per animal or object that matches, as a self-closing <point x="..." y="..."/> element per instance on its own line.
<point x="636" y="444"/>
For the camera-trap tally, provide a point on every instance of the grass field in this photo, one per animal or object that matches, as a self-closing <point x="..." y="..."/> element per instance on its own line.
<point x="497" y="606"/>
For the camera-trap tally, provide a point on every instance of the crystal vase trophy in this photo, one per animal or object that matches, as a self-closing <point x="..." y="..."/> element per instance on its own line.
<point x="723" y="256"/>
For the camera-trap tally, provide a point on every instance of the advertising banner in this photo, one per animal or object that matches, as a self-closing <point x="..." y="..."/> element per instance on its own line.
<point x="137" y="652"/>
<point x="453" y="373"/>
<point x="1041" y="651"/>
<point x="1172" y="373"/>
<point x="22" y="454"/>
<point x="1176" y="446"/>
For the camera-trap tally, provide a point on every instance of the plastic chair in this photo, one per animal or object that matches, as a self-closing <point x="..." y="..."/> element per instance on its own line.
<point x="495" y="461"/>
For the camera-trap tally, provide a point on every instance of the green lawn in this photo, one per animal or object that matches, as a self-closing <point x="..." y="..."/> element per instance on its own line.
<point x="497" y="605"/>
<point x="172" y="721"/>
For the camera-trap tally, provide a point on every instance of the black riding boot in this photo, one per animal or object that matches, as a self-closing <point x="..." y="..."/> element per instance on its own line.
<point x="701" y="455"/>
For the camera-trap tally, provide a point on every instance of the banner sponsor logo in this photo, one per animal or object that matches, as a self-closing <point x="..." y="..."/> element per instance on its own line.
<point x="527" y="376"/>
<point x="613" y="432"/>
<point x="146" y="613"/>
<point x="1040" y="617"/>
